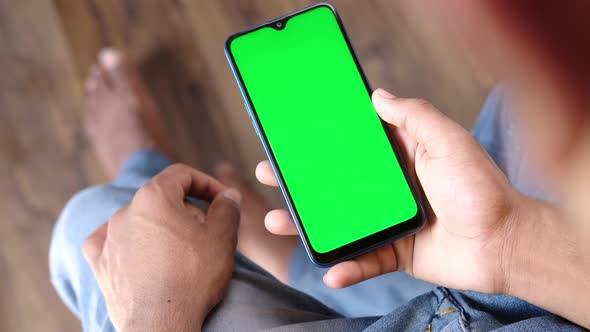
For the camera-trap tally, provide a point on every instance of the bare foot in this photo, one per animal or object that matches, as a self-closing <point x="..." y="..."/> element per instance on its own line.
<point x="122" y="116"/>
<point x="271" y="252"/>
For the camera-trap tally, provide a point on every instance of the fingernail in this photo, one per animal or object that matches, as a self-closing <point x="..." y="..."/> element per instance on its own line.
<point x="385" y="94"/>
<point x="234" y="195"/>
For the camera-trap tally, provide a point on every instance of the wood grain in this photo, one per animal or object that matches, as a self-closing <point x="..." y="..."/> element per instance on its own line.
<point x="42" y="160"/>
<point x="46" y="48"/>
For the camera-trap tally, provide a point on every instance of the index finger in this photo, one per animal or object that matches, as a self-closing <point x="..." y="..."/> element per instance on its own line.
<point x="178" y="181"/>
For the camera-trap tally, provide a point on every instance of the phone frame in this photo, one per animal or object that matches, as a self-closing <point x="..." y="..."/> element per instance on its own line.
<point x="362" y="245"/>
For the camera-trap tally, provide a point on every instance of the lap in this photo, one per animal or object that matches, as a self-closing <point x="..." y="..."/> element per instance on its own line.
<point x="374" y="297"/>
<point x="255" y="300"/>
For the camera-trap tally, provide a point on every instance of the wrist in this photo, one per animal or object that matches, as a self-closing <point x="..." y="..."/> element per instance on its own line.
<point x="502" y="249"/>
<point x="545" y="263"/>
<point x="528" y="247"/>
<point x="513" y="240"/>
<point x="166" y="318"/>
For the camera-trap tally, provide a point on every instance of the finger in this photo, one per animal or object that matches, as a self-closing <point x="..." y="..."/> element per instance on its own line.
<point x="280" y="222"/>
<point x="195" y="212"/>
<point x="223" y="216"/>
<point x="178" y="181"/>
<point x="227" y="174"/>
<point x="420" y="120"/>
<point x="265" y="174"/>
<point x="93" y="245"/>
<point x="254" y="205"/>
<point x="375" y="263"/>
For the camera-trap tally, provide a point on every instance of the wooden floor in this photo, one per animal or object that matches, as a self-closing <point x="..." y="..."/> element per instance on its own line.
<point x="46" y="48"/>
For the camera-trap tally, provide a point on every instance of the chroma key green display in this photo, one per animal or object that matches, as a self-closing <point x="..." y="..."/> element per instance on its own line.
<point x="314" y="111"/>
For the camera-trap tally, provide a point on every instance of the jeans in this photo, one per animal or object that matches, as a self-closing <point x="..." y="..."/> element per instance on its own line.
<point x="255" y="300"/>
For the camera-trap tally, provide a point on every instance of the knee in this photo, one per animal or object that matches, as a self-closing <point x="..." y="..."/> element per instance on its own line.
<point x="81" y="216"/>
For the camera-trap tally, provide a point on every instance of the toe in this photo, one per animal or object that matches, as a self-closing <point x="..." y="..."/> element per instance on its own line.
<point x="91" y="80"/>
<point x="97" y="91"/>
<point x="116" y="67"/>
<point x="97" y="83"/>
<point x="103" y="80"/>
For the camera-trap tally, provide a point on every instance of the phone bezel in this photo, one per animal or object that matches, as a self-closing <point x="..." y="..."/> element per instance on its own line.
<point x="362" y="245"/>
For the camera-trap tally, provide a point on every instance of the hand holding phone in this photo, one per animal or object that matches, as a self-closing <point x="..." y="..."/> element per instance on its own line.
<point x="474" y="207"/>
<point x="337" y="165"/>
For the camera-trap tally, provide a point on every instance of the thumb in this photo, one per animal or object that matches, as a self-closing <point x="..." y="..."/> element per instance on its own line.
<point x="223" y="214"/>
<point x="420" y="120"/>
<point x="93" y="245"/>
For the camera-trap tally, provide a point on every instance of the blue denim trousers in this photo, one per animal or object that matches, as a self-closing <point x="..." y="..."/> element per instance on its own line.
<point x="255" y="300"/>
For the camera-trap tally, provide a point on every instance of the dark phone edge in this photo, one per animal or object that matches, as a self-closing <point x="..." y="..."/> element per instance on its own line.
<point x="400" y="230"/>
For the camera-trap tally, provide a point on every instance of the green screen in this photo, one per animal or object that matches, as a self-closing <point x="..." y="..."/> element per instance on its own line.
<point x="329" y="144"/>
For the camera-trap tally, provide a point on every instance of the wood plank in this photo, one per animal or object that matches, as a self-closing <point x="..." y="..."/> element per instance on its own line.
<point x="42" y="161"/>
<point x="158" y="37"/>
<point x="434" y="70"/>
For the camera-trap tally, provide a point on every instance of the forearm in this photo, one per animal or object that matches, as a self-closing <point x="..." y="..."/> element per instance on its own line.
<point x="550" y="264"/>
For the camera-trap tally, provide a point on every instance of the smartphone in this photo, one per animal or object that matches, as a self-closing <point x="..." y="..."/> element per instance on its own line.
<point x="343" y="179"/>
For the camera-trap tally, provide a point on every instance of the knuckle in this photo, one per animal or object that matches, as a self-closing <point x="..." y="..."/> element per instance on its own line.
<point x="118" y="215"/>
<point x="421" y="103"/>
<point x="88" y="247"/>
<point x="177" y="168"/>
<point x="148" y="193"/>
